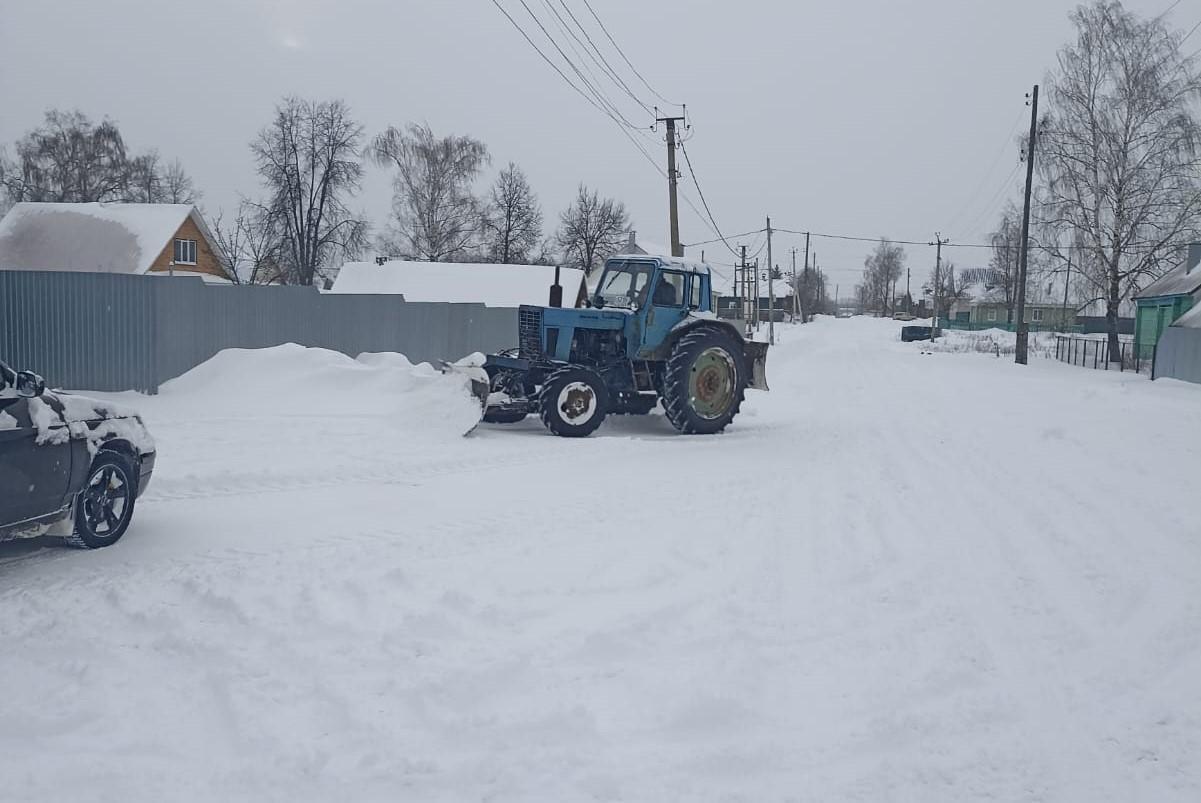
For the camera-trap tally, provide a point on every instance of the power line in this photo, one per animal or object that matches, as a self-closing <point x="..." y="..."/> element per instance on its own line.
<point x="1008" y="143"/>
<point x="548" y="60"/>
<point x="607" y="67"/>
<point x="624" y="125"/>
<point x="612" y="109"/>
<point x="625" y="58"/>
<point x="1192" y="31"/>
<point x="719" y="239"/>
<point x="581" y="52"/>
<point x="705" y="203"/>
<point x="991" y="207"/>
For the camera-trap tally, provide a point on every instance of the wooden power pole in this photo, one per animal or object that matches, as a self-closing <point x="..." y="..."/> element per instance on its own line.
<point x="939" y="242"/>
<point x="1023" y="329"/>
<point x="677" y="249"/>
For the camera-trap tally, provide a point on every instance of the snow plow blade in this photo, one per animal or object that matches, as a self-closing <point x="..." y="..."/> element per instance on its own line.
<point x="756" y="355"/>
<point x="479" y="384"/>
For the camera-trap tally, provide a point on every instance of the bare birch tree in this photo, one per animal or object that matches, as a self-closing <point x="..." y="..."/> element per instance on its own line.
<point x="250" y="246"/>
<point x="435" y="214"/>
<point x="1119" y="150"/>
<point x="591" y="229"/>
<point x="308" y="158"/>
<point x="881" y="270"/>
<point x="513" y="220"/>
<point x="1006" y="244"/>
<point x="177" y="185"/>
<point x="68" y="159"/>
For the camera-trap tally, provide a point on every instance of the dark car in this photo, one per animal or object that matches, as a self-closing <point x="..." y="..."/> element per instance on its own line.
<point x="69" y="465"/>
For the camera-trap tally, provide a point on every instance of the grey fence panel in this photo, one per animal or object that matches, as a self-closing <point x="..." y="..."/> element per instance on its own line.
<point x="1178" y="355"/>
<point x="110" y="332"/>
<point x="79" y="330"/>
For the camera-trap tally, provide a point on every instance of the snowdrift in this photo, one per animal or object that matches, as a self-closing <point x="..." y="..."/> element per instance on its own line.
<point x="294" y="380"/>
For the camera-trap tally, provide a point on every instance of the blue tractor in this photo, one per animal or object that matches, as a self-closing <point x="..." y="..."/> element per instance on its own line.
<point x="648" y="334"/>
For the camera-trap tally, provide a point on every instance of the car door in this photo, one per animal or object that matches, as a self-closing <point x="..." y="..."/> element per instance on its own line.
<point x="667" y="307"/>
<point x="33" y="476"/>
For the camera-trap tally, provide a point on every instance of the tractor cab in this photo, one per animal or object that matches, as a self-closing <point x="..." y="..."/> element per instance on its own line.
<point x="658" y="293"/>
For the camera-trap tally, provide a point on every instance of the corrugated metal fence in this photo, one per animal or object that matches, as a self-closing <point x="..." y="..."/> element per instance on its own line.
<point x="111" y="332"/>
<point x="1178" y="355"/>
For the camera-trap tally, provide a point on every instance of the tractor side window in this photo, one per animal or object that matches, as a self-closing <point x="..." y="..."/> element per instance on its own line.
<point x="694" y="291"/>
<point x="669" y="292"/>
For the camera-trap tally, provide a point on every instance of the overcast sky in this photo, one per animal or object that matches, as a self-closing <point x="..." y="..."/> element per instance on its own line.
<point x="867" y="118"/>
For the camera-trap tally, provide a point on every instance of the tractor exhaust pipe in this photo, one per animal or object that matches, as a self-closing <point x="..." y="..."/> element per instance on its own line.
<point x="556" y="291"/>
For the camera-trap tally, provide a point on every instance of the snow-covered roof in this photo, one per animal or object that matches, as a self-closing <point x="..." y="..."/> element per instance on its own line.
<point x="96" y="237"/>
<point x="1190" y="319"/>
<point x="1180" y="280"/>
<point x="459" y="283"/>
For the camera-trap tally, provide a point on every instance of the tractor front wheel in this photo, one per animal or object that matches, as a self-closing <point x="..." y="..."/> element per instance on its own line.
<point x="704" y="382"/>
<point x="573" y="402"/>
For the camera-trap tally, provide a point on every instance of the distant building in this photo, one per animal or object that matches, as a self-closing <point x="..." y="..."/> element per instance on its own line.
<point x="983" y="305"/>
<point x="494" y="285"/>
<point x="1166" y="299"/>
<point x="136" y="239"/>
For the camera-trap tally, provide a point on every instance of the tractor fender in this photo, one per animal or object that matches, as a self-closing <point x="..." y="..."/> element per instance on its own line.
<point x="755" y="353"/>
<point x="691" y="324"/>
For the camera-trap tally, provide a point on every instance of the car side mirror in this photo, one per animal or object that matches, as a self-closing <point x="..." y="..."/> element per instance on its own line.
<point x="29" y="385"/>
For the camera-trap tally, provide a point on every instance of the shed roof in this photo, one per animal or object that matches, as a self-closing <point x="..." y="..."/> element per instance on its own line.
<point x="459" y="283"/>
<point x="95" y="237"/>
<point x="1180" y="280"/>
<point x="1190" y="319"/>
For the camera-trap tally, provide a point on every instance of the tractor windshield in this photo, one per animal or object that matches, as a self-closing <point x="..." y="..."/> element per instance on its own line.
<point x="625" y="283"/>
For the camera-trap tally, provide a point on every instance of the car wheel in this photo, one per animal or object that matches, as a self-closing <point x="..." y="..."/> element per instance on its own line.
<point x="104" y="508"/>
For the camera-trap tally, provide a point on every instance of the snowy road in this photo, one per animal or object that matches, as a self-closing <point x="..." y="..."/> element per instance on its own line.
<point x="897" y="577"/>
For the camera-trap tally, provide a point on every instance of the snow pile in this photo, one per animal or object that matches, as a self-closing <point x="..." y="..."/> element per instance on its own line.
<point x="294" y="380"/>
<point x="997" y="342"/>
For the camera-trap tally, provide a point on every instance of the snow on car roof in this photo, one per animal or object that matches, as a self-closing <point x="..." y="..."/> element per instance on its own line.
<point x="459" y="283"/>
<point x="94" y="237"/>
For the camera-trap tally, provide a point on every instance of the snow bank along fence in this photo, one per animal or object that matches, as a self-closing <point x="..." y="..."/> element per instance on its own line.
<point x="1093" y="352"/>
<point x="110" y="332"/>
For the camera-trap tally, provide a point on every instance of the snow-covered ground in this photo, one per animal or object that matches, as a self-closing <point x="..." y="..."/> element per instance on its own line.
<point x="899" y="576"/>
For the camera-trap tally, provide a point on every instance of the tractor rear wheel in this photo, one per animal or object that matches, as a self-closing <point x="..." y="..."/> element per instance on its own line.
<point x="704" y="382"/>
<point x="573" y="402"/>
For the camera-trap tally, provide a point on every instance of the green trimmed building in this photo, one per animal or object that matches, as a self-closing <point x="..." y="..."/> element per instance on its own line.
<point x="1166" y="299"/>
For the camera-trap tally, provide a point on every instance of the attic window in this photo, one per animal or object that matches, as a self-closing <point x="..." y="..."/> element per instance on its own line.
<point x="185" y="252"/>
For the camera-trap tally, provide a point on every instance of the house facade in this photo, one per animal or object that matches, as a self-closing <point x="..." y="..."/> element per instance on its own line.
<point x="1038" y="316"/>
<point x="133" y="239"/>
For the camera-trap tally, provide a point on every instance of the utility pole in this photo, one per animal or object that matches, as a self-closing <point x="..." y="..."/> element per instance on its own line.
<point x="771" y="302"/>
<point x="771" y="306"/>
<point x="796" y="291"/>
<point x="908" y="295"/>
<point x="756" y="295"/>
<point x="939" y="242"/>
<point x="1023" y="331"/>
<point x="740" y="273"/>
<point x="677" y="250"/>
<point x="1067" y="282"/>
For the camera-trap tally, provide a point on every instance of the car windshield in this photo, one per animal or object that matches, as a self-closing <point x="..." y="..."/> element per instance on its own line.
<point x="624" y="283"/>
